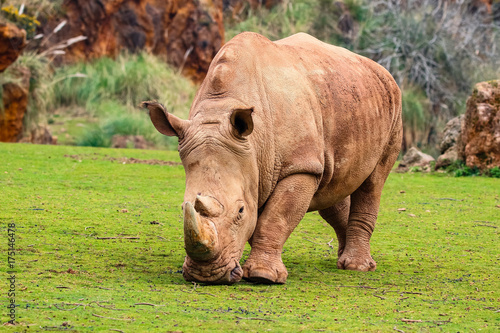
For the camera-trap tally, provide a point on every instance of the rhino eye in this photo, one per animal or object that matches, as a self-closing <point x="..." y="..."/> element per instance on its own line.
<point x="241" y="210"/>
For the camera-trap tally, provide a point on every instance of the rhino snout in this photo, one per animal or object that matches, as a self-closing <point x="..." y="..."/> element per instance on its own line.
<point x="210" y="273"/>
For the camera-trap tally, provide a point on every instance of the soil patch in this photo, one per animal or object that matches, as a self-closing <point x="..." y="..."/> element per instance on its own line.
<point x="122" y="160"/>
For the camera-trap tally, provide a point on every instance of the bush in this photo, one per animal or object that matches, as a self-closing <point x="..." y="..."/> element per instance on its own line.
<point x="26" y="22"/>
<point x="493" y="172"/>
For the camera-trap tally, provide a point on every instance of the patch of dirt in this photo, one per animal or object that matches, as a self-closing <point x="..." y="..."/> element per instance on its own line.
<point x="123" y="160"/>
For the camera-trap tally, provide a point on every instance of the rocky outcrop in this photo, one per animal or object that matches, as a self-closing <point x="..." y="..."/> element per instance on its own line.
<point x="188" y="33"/>
<point x="14" y="94"/>
<point x="415" y="158"/>
<point x="480" y="140"/>
<point x="15" y="103"/>
<point x="12" y="42"/>
<point x="449" y="145"/>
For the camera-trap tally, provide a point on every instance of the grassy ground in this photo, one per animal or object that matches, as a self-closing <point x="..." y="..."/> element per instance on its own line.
<point x="99" y="247"/>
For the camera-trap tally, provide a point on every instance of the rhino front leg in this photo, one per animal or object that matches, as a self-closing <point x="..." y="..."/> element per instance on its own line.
<point x="282" y="212"/>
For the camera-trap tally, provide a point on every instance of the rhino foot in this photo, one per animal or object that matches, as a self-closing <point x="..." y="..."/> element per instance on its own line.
<point x="272" y="274"/>
<point x="356" y="263"/>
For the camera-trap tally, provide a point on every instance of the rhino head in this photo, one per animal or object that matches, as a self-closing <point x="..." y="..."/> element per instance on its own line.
<point x="220" y="201"/>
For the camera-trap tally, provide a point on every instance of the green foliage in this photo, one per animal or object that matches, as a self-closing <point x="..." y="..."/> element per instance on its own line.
<point x="459" y="169"/>
<point x="415" y="114"/>
<point x="94" y="136"/>
<point x="112" y="89"/>
<point x="37" y="8"/>
<point x="74" y="208"/>
<point x="118" y="119"/>
<point x="493" y="172"/>
<point x="281" y="21"/>
<point x="128" y="80"/>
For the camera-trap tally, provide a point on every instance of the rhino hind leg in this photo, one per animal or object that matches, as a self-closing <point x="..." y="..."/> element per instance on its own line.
<point x="363" y="213"/>
<point x="282" y="212"/>
<point x="338" y="216"/>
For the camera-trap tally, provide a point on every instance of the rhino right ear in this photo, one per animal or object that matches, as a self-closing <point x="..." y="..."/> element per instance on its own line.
<point x="166" y="123"/>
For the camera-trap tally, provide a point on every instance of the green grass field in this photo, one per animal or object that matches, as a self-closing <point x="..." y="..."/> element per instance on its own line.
<point x="99" y="247"/>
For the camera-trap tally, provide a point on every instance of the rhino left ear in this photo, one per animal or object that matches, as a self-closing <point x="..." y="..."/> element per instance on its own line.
<point x="166" y="123"/>
<point x="242" y="121"/>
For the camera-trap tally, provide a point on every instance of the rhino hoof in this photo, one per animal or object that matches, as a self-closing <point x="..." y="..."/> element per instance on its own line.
<point x="263" y="276"/>
<point x="362" y="265"/>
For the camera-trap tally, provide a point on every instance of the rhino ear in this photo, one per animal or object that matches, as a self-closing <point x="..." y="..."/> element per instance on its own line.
<point x="242" y="121"/>
<point x="166" y="123"/>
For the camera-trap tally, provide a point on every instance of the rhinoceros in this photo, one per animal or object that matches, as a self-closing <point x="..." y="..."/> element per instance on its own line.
<point x="278" y="129"/>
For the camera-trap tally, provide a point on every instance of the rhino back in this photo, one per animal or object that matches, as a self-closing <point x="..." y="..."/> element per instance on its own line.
<point x="355" y="106"/>
<point x="318" y="108"/>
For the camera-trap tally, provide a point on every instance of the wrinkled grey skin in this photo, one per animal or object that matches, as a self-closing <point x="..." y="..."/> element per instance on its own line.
<point x="278" y="129"/>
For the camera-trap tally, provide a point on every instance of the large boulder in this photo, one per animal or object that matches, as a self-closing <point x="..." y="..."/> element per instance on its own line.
<point x="415" y="158"/>
<point x="449" y="145"/>
<point x="480" y="140"/>
<point x="188" y="33"/>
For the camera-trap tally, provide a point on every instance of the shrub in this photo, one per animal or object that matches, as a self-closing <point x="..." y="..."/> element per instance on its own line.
<point x="459" y="169"/>
<point x="442" y="48"/>
<point x="493" y="172"/>
<point x="26" y="22"/>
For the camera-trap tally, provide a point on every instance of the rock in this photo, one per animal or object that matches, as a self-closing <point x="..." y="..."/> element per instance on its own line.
<point x="450" y="142"/>
<point x="415" y="158"/>
<point x="187" y="33"/>
<point x="15" y="103"/>
<point x="451" y="134"/>
<point x="129" y="141"/>
<point x="40" y="135"/>
<point x="12" y="42"/>
<point x="480" y="139"/>
<point x="447" y="158"/>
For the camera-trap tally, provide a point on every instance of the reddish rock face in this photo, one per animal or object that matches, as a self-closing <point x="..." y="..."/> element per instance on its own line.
<point x="187" y="32"/>
<point x="15" y="102"/>
<point x="14" y="96"/>
<point x="481" y="128"/>
<point x="12" y="42"/>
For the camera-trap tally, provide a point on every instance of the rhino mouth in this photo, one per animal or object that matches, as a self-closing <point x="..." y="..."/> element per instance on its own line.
<point x="215" y="272"/>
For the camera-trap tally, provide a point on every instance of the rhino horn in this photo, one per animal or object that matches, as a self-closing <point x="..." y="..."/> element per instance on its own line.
<point x="207" y="206"/>
<point x="199" y="238"/>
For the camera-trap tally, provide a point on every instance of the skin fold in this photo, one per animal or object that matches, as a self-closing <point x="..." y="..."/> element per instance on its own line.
<point x="278" y="129"/>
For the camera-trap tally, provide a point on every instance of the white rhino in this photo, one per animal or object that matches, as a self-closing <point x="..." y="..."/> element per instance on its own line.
<point x="278" y="129"/>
